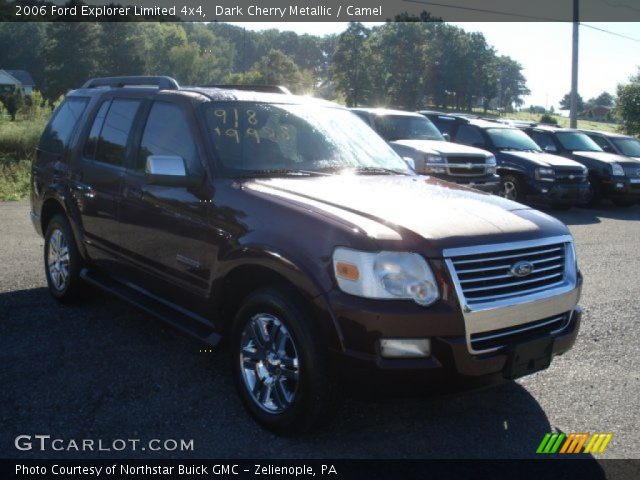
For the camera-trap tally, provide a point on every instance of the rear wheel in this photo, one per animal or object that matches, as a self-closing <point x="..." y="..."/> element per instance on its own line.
<point x="62" y="261"/>
<point x="511" y="188"/>
<point x="280" y="364"/>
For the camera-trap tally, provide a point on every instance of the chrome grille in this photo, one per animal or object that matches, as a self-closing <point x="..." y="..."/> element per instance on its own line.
<point x="520" y="333"/>
<point x="570" y="176"/>
<point x="488" y="277"/>
<point x="466" y="166"/>
<point x="632" y="170"/>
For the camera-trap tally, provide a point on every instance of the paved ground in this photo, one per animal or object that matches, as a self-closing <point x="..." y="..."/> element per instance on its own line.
<point x="104" y="370"/>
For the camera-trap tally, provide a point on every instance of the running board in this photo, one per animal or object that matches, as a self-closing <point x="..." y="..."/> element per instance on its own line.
<point x="181" y="319"/>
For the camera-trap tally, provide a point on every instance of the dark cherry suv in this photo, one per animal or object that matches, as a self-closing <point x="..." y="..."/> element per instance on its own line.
<point x="289" y="228"/>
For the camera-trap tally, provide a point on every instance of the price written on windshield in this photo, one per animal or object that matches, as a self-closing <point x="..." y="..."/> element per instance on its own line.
<point x="229" y="125"/>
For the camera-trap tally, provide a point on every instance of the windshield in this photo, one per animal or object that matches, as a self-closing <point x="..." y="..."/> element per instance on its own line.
<point x="264" y="139"/>
<point x="511" y="139"/>
<point x="400" y="127"/>
<point x="628" y="146"/>
<point x="575" y="141"/>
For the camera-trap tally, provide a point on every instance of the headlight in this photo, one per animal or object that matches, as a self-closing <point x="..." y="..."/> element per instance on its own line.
<point x="545" y="174"/>
<point x="433" y="164"/>
<point x="491" y="165"/>
<point x="617" y="170"/>
<point x="385" y="275"/>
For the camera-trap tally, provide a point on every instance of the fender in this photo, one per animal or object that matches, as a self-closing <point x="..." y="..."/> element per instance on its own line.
<point x="59" y="193"/>
<point x="293" y="271"/>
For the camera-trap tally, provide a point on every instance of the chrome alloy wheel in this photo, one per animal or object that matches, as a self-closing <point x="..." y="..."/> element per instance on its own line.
<point x="269" y="363"/>
<point x="509" y="190"/>
<point x="58" y="260"/>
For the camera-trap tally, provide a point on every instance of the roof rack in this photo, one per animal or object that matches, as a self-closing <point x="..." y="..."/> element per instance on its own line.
<point x="163" y="83"/>
<point x="254" y="88"/>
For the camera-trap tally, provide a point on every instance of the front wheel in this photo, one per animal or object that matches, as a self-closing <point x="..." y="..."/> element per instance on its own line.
<point x="511" y="188"/>
<point x="280" y="365"/>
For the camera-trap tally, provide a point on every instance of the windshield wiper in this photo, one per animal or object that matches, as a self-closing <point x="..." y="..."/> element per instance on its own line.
<point x="377" y="171"/>
<point x="283" y="172"/>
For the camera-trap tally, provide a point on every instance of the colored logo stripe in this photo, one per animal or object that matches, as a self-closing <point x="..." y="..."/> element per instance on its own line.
<point x="573" y="443"/>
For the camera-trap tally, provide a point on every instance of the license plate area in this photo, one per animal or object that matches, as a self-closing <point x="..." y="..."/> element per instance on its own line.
<point x="529" y="357"/>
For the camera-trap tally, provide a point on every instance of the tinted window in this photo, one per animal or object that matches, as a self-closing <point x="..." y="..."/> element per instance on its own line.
<point x="167" y="132"/>
<point x="511" y="139"/>
<point x="602" y="142"/>
<point x="545" y="140"/>
<point x="58" y="132"/>
<point x="96" y="128"/>
<point x="628" y="146"/>
<point x="444" y="124"/>
<point x="115" y="131"/>
<point x="469" y="135"/>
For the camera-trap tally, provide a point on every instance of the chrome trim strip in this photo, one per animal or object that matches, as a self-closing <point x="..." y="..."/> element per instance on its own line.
<point x="514" y="294"/>
<point x="515" y="331"/>
<point x="514" y="284"/>
<point x="503" y="247"/>
<point x="506" y="275"/>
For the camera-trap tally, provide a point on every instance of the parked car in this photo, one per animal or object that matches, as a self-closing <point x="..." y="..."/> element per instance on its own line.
<point x="616" y="143"/>
<point x="611" y="176"/>
<point x="414" y="137"/>
<point x="527" y="174"/>
<point x="280" y="224"/>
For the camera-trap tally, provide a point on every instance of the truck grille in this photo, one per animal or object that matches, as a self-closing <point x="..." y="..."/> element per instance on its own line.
<point x="632" y="171"/>
<point x="490" y="277"/>
<point x="469" y="166"/>
<point x="570" y="176"/>
<point x="520" y="333"/>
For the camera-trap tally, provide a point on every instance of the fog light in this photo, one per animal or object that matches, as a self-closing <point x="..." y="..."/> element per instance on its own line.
<point x="619" y="185"/>
<point x="544" y="190"/>
<point x="405" y="347"/>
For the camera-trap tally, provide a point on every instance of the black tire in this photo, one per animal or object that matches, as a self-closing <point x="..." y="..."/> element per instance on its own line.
<point x="623" y="203"/>
<point x="512" y="188"/>
<point x="70" y="289"/>
<point x="315" y="396"/>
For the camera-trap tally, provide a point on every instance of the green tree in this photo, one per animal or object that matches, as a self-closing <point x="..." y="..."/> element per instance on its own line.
<point x="13" y="101"/>
<point x="565" y="103"/>
<point x="70" y="55"/>
<point x="349" y="71"/>
<point x="122" y="49"/>
<point x="628" y="105"/>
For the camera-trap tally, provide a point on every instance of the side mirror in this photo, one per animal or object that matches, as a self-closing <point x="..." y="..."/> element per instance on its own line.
<point x="168" y="171"/>
<point x="447" y="137"/>
<point x="411" y="163"/>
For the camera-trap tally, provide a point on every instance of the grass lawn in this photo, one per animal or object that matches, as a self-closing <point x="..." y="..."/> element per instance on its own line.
<point x="564" y="121"/>
<point x="18" y="142"/>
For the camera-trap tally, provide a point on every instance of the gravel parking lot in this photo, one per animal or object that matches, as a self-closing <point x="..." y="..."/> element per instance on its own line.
<point x="105" y="370"/>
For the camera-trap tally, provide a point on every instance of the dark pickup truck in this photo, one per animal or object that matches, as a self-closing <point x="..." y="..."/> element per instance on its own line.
<point x="415" y="138"/>
<point x="528" y="174"/>
<point x="617" y="143"/>
<point x="611" y="176"/>
<point x="285" y="226"/>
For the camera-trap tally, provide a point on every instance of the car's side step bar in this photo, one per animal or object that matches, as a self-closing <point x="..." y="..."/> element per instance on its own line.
<point x="185" y="321"/>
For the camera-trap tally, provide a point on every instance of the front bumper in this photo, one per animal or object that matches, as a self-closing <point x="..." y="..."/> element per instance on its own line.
<point x="489" y="184"/>
<point x="621" y="188"/>
<point x="547" y="193"/>
<point x="452" y="365"/>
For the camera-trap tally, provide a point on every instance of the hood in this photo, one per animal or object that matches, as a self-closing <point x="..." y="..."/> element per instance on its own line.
<point x="446" y="148"/>
<point x="543" y="159"/>
<point x="602" y="156"/>
<point x="431" y="208"/>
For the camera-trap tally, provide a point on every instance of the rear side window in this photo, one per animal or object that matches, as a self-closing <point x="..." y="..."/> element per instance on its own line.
<point x="469" y="135"/>
<point x="602" y="142"/>
<point x="58" y="132"/>
<point x="167" y="132"/>
<point x="110" y="131"/>
<point x="545" y="140"/>
<point x="444" y="124"/>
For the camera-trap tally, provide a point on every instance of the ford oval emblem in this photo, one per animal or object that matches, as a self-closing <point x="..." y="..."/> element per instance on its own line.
<point x="522" y="269"/>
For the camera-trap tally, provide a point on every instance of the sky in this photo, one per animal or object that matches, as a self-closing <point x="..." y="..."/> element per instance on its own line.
<point x="544" y="51"/>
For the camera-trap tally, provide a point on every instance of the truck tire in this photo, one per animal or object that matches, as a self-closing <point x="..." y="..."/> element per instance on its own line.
<point x="280" y="363"/>
<point x="62" y="261"/>
<point x="512" y="188"/>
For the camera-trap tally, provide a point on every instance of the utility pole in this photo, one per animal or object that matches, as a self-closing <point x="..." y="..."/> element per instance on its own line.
<point x="573" y="112"/>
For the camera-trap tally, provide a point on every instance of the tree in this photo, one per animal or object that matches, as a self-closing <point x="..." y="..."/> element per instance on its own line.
<point x="70" y="54"/>
<point x="605" y="99"/>
<point x="13" y="101"/>
<point x="122" y="49"/>
<point x="349" y="71"/>
<point x="628" y="105"/>
<point x="512" y="85"/>
<point x="565" y="103"/>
